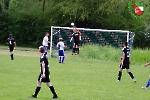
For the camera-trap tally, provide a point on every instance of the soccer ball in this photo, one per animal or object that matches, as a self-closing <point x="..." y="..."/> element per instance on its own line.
<point x="72" y="24"/>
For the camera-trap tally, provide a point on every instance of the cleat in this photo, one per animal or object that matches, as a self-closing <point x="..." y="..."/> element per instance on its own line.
<point x="134" y="80"/>
<point x="117" y="81"/>
<point x="55" y="96"/>
<point x="32" y="96"/>
<point x="144" y="87"/>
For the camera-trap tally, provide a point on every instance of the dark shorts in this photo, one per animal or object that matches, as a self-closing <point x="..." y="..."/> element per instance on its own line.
<point x="126" y="65"/>
<point x="46" y="47"/>
<point x="11" y="48"/>
<point x="76" y="43"/>
<point x="61" y="53"/>
<point x="46" y="79"/>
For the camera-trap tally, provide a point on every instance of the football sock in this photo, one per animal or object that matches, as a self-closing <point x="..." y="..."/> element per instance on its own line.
<point x="59" y="59"/>
<point x="73" y="50"/>
<point x="77" y="50"/>
<point x="53" y="90"/>
<point x="131" y="75"/>
<point x="37" y="91"/>
<point x="45" y="53"/>
<point x="148" y="83"/>
<point x="63" y="58"/>
<point x="119" y="75"/>
<point x="12" y="58"/>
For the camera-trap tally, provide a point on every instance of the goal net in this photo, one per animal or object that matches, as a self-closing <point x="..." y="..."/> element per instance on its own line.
<point x="114" y="38"/>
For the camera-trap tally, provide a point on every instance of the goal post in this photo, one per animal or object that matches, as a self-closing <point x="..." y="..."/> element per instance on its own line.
<point x="103" y="37"/>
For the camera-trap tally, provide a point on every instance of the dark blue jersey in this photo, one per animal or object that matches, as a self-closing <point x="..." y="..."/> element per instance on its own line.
<point x="126" y="51"/>
<point x="76" y="36"/>
<point x="43" y="59"/>
<point x="10" y="41"/>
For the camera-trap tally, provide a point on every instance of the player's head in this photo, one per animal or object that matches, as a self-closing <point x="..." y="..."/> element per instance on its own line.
<point x="125" y="44"/>
<point x="47" y="34"/>
<point x="60" y="39"/>
<point x="75" y="29"/>
<point x="10" y="35"/>
<point x="41" y="49"/>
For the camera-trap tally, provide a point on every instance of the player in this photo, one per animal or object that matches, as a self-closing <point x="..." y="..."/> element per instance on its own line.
<point x="11" y="42"/>
<point x="60" y="48"/>
<point x="76" y="37"/>
<point x="45" y="42"/>
<point x="148" y="82"/>
<point x="44" y="75"/>
<point x="125" y="61"/>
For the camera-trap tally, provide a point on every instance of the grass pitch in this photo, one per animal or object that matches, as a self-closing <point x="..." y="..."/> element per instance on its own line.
<point x="77" y="79"/>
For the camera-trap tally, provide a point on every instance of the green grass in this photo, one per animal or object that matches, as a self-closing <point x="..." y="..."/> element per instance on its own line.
<point x="79" y="78"/>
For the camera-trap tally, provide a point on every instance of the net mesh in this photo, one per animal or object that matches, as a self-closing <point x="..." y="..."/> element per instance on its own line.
<point x="114" y="38"/>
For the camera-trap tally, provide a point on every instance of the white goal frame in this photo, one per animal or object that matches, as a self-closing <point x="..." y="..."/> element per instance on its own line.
<point x="87" y="29"/>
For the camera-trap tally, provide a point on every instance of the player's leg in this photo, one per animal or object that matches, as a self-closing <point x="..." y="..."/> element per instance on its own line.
<point x="11" y="52"/>
<point x="38" y="88"/>
<point x="73" y="49"/>
<point x="52" y="89"/>
<point x="148" y="84"/>
<point x="46" y="50"/>
<point x="63" y="56"/>
<point x="120" y="73"/>
<point x="131" y="74"/>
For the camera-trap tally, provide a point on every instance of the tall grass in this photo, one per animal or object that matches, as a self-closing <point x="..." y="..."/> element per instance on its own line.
<point x="113" y="54"/>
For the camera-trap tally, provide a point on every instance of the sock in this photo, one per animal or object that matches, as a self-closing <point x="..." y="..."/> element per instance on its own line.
<point x="119" y="75"/>
<point x="37" y="91"/>
<point x="45" y="53"/>
<point x="59" y="59"/>
<point x="53" y="90"/>
<point x="12" y="58"/>
<point x="131" y="75"/>
<point x="77" y="50"/>
<point x="63" y="58"/>
<point x="148" y="83"/>
<point x="73" y="50"/>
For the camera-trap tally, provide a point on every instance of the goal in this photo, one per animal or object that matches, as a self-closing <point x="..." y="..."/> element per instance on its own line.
<point x="104" y="37"/>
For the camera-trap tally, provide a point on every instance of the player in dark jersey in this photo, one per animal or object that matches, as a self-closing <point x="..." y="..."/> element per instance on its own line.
<point x="44" y="75"/>
<point x="76" y="37"/>
<point x="125" y="61"/>
<point x="11" y="43"/>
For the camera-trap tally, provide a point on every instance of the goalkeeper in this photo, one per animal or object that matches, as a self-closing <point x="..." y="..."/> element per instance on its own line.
<point x="76" y="37"/>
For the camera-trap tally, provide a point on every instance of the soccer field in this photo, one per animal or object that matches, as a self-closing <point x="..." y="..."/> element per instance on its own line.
<point x="76" y="79"/>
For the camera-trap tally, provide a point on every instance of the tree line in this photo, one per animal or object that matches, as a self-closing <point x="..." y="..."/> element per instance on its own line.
<point x="28" y="20"/>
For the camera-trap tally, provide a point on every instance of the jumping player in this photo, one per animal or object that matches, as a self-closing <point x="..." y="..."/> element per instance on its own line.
<point x="45" y="42"/>
<point x="125" y="61"/>
<point x="60" y="48"/>
<point x="76" y="37"/>
<point x="148" y="82"/>
<point x="44" y="75"/>
<point x="11" y="42"/>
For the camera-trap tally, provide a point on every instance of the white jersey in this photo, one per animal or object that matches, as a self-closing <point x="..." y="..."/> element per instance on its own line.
<point x="45" y="39"/>
<point x="60" y="45"/>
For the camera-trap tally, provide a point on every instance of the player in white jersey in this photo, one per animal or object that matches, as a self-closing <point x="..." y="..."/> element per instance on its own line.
<point x="60" y="48"/>
<point x="45" y="42"/>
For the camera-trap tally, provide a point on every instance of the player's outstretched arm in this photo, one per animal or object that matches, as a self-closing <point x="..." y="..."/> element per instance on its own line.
<point x="71" y="39"/>
<point x="147" y="64"/>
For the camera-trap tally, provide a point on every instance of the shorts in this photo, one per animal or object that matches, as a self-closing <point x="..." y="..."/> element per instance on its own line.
<point x="46" y="47"/>
<point x="11" y="48"/>
<point x="125" y="65"/>
<point x="61" y="53"/>
<point x="46" y="79"/>
<point x="76" y="43"/>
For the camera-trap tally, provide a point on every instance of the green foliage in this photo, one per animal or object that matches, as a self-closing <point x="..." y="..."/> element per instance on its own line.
<point x="28" y="20"/>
